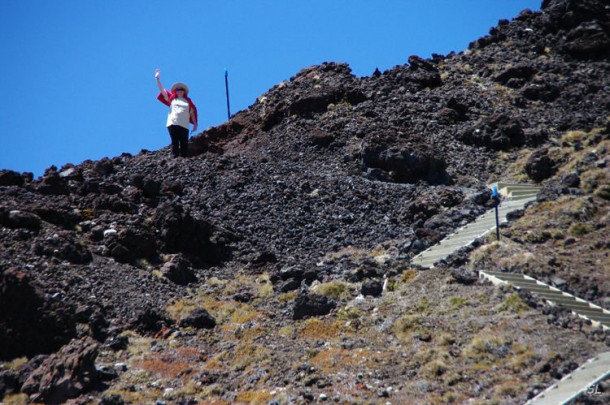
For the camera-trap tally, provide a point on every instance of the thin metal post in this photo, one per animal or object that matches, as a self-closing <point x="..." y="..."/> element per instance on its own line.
<point x="497" y="201"/>
<point x="227" y="91"/>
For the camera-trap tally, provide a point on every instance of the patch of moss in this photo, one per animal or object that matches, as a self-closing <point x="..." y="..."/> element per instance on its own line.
<point x="334" y="359"/>
<point x="315" y="329"/>
<point x="245" y="313"/>
<point x="247" y="355"/>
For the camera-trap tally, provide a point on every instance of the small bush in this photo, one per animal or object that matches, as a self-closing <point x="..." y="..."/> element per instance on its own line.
<point x="593" y="179"/>
<point x="333" y="289"/>
<point x="435" y="368"/>
<point x="457" y="302"/>
<point x="579" y="229"/>
<point x="315" y="329"/>
<point x="571" y="137"/>
<point x="349" y="313"/>
<point x="513" y="303"/>
<point x="254" y="397"/>
<point x="445" y="339"/>
<point x="405" y="326"/>
<point x="408" y="275"/>
<point x="486" y="347"/>
<point x="603" y="191"/>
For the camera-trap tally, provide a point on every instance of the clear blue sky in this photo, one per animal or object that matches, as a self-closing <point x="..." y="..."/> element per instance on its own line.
<point x="78" y="76"/>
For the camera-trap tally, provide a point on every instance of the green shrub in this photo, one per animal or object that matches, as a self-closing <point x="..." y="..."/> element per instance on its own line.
<point x="579" y="229"/>
<point x="333" y="289"/>
<point x="603" y="191"/>
<point x="513" y="303"/>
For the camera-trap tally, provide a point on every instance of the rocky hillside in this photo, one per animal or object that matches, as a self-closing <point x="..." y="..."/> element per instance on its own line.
<point x="273" y="266"/>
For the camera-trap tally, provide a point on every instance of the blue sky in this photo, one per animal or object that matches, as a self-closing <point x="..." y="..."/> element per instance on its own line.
<point x="78" y="76"/>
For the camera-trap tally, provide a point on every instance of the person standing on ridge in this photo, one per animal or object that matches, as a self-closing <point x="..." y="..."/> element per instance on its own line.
<point x="182" y="111"/>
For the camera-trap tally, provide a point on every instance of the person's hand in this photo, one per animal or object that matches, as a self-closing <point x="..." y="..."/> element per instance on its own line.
<point x="157" y="73"/>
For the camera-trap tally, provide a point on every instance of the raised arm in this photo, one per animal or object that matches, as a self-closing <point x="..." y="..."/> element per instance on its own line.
<point x="161" y="89"/>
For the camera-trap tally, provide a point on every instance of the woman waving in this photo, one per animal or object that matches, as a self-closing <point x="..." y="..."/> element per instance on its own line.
<point x="182" y="111"/>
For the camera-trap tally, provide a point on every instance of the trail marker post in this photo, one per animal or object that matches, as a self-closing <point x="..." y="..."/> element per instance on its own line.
<point x="227" y="91"/>
<point x="496" y="198"/>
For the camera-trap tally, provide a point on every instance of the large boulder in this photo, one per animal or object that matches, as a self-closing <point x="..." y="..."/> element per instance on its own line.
<point x="312" y="305"/>
<point x="181" y="232"/>
<point x="18" y="219"/>
<point x="500" y="131"/>
<point x="199" y="318"/>
<point x="64" y="246"/>
<point x="30" y="321"/>
<point x="67" y="374"/>
<point x="540" y="166"/>
<point x="178" y="270"/>
<point x="406" y="163"/>
<point x="10" y="178"/>
<point x="130" y="244"/>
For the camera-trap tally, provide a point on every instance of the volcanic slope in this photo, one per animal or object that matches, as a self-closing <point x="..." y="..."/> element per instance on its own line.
<point x="235" y="275"/>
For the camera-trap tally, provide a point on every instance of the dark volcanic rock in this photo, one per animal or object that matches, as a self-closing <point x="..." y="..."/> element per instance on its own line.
<point x="540" y="166"/>
<point x="10" y="178"/>
<point x="464" y="276"/>
<point x="312" y="305"/>
<point x="131" y="244"/>
<point x="524" y="71"/>
<point x="571" y="180"/>
<point x="200" y="319"/>
<point x="406" y="164"/>
<point x="372" y="288"/>
<point x="178" y="269"/>
<point x="21" y="307"/>
<point x="316" y="173"/>
<point x="150" y="320"/>
<point x="500" y="131"/>
<point x="51" y="183"/>
<point x="180" y="232"/>
<point x="67" y="374"/>
<point x="20" y="219"/>
<point x="8" y="383"/>
<point x="64" y="246"/>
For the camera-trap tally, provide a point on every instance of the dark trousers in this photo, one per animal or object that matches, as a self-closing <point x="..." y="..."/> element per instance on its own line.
<point x="180" y="140"/>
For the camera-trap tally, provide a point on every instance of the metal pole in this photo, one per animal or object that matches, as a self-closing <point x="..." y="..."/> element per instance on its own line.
<point x="227" y="90"/>
<point x="497" y="200"/>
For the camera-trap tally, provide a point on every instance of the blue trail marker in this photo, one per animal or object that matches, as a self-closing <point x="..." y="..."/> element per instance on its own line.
<point x="496" y="197"/>
<point x="227" y="91"/>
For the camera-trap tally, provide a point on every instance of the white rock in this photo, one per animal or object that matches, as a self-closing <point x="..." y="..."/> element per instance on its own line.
<point x="109" y="232"/>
